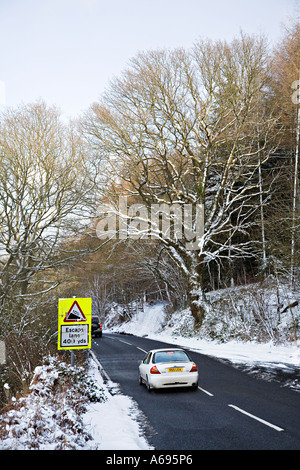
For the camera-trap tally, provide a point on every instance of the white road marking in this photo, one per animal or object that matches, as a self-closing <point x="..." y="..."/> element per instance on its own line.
<point x="143" y="350"/>
<point x="205" y="391"/>
<point x="277" y="428"/>
<point x="125" y="342"/>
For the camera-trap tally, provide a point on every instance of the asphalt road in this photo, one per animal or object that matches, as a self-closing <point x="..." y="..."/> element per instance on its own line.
<point x="231" y="410"/>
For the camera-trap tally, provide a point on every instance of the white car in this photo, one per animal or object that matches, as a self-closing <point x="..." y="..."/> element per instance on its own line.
<point x="165" y="368"/>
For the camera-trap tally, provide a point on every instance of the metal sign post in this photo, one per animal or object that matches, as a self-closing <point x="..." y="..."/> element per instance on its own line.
<point x="72" y="357"/>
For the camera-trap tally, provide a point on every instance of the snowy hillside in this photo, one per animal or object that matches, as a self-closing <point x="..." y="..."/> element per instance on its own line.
<point x="178" y="329"/>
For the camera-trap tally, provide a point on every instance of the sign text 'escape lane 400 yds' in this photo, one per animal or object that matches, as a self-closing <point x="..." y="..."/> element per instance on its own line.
<point x="74" y="323"/>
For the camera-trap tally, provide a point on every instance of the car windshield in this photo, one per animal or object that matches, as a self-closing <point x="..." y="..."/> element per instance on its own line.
<point x="170" y="356"/>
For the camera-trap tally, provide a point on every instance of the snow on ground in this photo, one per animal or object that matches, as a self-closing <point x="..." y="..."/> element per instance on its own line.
<point x="151" y="323"/>
<point x="41" y="421"/>
<point x="114" y="424"/>
<point x="53" y="417"/>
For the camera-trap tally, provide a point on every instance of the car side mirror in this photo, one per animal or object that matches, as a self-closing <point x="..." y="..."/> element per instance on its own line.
<point x="140" y="362"/>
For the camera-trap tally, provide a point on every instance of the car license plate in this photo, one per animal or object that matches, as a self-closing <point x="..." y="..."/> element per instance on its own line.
<point x="175" y="369"/>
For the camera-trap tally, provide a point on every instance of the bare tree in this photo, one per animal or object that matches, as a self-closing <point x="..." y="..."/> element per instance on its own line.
<point x="179" y="131"/>
<point x="45" y="186"/>
<point x="285" y="85"/>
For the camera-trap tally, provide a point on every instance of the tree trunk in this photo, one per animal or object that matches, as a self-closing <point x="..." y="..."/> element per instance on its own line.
<point x="196" y="295"/>
<point x="197" y="307"/>
<point x="294" y="208"/>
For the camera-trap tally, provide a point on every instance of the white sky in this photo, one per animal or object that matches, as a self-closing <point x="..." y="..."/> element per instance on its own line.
<point x="66" y="51"/>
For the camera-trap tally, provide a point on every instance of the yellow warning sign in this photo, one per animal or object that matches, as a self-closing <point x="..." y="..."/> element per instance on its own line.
<point x="74" y="323"/>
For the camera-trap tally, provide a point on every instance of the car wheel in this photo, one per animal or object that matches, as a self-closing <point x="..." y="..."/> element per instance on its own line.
<point x="148" y="385"/>
<point x="140" y="380"/>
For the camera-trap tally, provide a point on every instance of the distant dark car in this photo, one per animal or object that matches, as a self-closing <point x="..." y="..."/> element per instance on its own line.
<point x="96" y="327"/>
